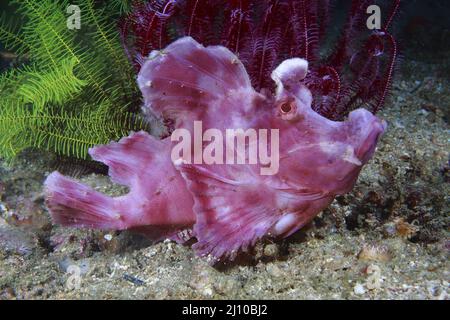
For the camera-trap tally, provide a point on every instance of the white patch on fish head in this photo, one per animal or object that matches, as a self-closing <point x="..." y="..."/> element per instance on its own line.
<point x="342" y="150"/>
<point x="349" y="156"/>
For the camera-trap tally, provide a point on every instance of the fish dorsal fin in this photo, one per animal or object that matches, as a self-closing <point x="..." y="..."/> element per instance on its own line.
<point x="232" y="211"/>
<point x="183" y="80"/>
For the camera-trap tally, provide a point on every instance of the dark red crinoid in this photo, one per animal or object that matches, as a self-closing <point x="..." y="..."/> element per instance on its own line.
<point x="357" y="72"/>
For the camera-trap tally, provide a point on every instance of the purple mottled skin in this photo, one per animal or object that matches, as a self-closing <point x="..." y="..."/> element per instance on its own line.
<point x="227" y="208"/>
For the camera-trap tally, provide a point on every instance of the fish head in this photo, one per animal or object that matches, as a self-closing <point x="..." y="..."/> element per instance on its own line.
<point x="319" y="158"/>
<point x="317" y="154"/>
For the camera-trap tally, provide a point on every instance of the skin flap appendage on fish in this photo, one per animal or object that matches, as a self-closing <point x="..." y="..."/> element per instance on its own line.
<point x="226" y="207"/>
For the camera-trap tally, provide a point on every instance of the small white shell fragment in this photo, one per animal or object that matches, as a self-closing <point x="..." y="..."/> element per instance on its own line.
<point x="108" y="237"/>
<point x="359" y="289"/>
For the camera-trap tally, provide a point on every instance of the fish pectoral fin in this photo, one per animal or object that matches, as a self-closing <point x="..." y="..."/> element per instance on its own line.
<point x="231" y="214"/>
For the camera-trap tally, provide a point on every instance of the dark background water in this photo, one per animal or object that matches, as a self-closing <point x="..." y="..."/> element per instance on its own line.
<point x="422" y="27"/>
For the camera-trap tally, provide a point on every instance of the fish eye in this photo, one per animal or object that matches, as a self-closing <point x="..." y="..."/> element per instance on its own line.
<point x="285" y="107"/>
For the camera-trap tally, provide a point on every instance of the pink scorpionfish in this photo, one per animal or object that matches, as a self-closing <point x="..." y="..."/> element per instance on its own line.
<point x="226" y="207"/>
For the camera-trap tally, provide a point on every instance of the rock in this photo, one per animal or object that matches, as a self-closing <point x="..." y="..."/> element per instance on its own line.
<point x="274" y="270"/>
<point x="271" y="250"/>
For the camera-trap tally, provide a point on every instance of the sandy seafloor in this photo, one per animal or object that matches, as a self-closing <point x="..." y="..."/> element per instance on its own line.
<point x="387" y="239"/>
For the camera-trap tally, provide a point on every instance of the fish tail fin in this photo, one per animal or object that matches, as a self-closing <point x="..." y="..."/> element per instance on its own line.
<point x="76" y="205"/>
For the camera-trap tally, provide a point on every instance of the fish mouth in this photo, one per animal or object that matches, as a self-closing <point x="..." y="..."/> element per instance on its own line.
<point x="370" y="128"/>
<point x="368" y="146"/>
